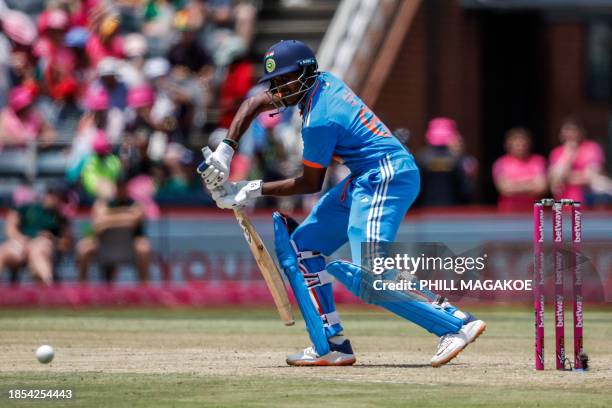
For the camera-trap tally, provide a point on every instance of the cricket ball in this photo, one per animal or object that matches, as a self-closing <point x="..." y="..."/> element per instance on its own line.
<point x="44" y="354"/>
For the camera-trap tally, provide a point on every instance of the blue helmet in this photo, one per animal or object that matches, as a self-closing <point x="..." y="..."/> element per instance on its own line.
<point x="287" y="56"/>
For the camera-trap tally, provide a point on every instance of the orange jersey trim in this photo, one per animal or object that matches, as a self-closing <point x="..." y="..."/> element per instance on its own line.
<point x="312" y="164"/>
<point x="338" y="159"/>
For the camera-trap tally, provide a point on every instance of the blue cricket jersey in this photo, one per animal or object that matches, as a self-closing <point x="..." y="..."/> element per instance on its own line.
<point x="337" y="125"/>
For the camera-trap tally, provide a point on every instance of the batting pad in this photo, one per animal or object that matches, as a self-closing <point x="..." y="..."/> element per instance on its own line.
<point x="289" y="263"/>
<point x="403" y="303"/>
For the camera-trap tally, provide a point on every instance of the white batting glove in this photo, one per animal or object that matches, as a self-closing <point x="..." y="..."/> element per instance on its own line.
<point x="218" y="168"/>
<point x="220" y="192"/>
<point x="238" y="195"/>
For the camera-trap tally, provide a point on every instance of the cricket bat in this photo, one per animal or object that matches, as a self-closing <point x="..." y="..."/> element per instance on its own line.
<point x="267" y="267"/>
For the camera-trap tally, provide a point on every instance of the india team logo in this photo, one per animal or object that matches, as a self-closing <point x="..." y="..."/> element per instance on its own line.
<point x="270" y="65"/>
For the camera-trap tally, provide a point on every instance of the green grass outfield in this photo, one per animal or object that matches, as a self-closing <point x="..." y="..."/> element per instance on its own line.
<point x="235" y="358"/>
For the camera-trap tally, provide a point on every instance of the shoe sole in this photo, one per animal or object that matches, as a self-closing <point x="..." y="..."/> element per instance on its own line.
<point x="478" y="333"/>
<point x="456" y="353"/>
<point x="322" y="363"/>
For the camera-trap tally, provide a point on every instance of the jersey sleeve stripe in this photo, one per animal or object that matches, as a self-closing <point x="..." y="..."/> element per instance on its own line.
<point x="312" y="164"/>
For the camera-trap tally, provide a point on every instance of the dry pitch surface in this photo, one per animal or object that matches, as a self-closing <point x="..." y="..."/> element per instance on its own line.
<point x="158" y="358"/>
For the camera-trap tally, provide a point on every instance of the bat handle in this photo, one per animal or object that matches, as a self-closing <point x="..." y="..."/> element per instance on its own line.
<point x="206" y="152"/>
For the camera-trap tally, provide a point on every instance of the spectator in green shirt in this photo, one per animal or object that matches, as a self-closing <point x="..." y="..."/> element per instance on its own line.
<point x="33" y="232"/>
<point x="101" y="169"/>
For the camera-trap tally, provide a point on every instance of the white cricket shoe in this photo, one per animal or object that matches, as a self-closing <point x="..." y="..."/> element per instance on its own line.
<point x="472" y="329"/>
<point x="450" y="345"/>
<point x="340" y="355"/>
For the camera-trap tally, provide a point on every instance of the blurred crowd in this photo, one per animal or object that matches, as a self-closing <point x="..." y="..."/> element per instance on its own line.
<point x="575" y="169"/>
<point x="106" y="103"/>
<point x="121" y="87"/>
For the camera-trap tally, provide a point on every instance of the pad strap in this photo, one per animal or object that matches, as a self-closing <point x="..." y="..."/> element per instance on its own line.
<point x="330" y="319"/>
<point x="301" y="255"/>
<point x="316" y="279"/>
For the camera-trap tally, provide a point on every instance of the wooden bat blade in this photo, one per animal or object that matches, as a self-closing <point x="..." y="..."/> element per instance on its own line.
<point x="268" y="268"/>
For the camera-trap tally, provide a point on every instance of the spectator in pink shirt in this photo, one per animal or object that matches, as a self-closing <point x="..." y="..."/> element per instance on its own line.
<point x="105" y="41"/>
<point x="575" y="163"/>
<point x="519" y="175"/>
<point x="20" y="121"/>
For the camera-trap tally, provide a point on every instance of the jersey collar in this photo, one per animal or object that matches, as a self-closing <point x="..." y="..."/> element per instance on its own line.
<point x="306" y="104"/>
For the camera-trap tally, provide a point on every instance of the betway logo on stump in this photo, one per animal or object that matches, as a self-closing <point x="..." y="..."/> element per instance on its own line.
<point x="559" y="311"/>
<point x="578" y="314"/>
<point x="577" y="226"/>
<point x="558" y="231"/>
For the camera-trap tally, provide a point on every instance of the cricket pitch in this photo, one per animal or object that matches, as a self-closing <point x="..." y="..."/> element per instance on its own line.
<point x="184" y="358"/>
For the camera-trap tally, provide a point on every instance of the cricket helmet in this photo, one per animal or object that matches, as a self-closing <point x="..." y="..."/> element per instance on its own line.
<point x="287" y="56"/>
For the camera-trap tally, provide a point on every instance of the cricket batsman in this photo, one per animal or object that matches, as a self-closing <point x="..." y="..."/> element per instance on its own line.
<point x="367" y="207"/>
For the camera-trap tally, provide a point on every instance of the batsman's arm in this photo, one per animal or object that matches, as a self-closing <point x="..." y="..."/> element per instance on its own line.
<point x="309" y="182"/>
<point x="249" y="109"/>
<point x="219" y="162"/>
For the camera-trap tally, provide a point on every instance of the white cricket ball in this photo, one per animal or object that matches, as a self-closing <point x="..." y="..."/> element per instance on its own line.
<point x="44" y="354"/>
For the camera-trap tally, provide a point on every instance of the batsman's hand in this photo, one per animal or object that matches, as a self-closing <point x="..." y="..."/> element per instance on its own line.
<point x="237" y="195"/>
<point x="216" y="165"/>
